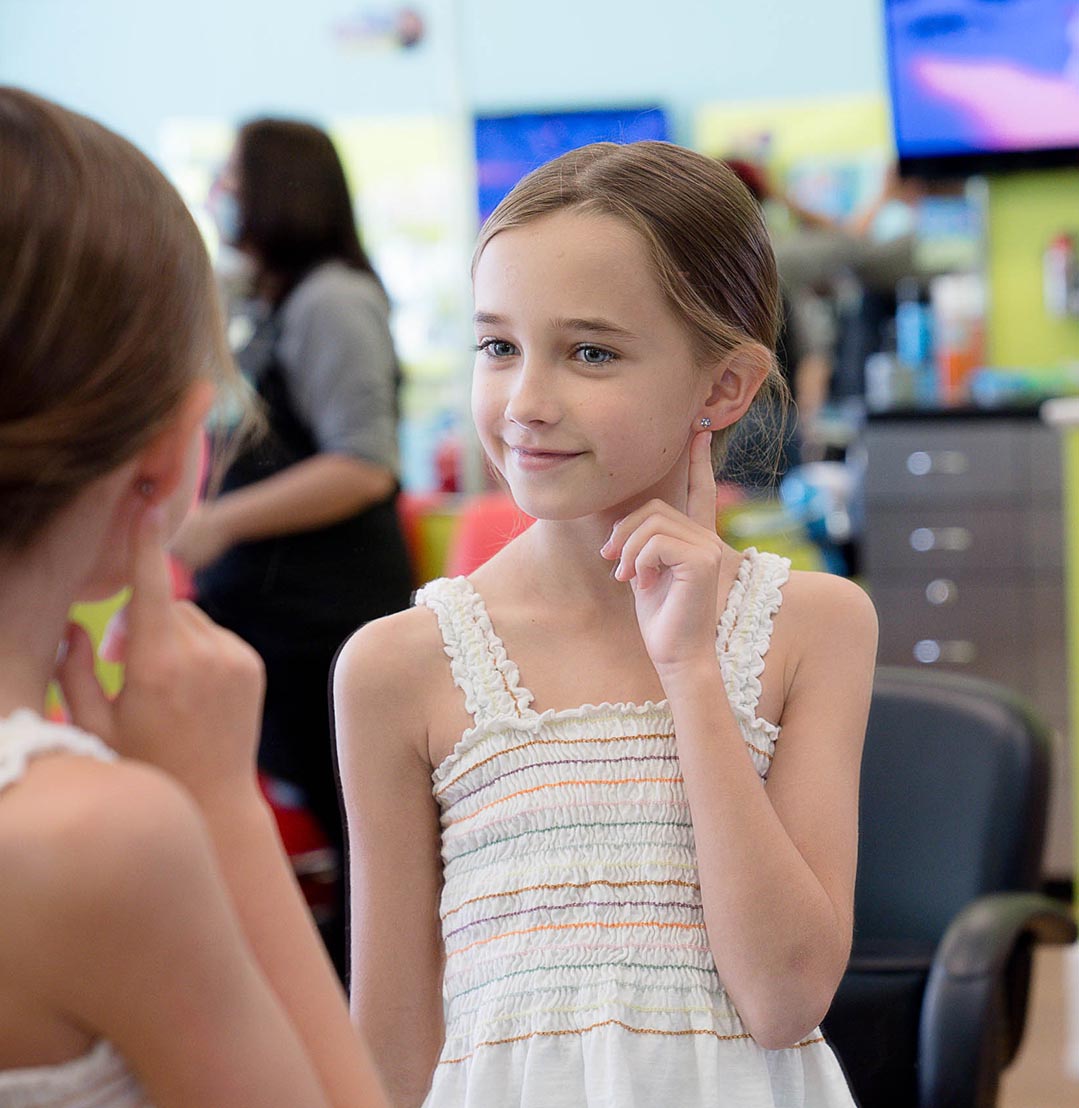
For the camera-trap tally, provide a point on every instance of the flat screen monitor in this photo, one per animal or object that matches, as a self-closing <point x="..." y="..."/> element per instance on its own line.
<point x="983" y="85"/>
<point x="510" y="146"/>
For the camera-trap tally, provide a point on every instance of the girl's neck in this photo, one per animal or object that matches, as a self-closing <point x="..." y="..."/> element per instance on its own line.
<point x="38" y="585"/>
<point x="33" y="620"/>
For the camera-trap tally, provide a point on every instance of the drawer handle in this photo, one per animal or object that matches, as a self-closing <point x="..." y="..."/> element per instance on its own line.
<point x="943" y="463"/>
<point x="924" y="539"/>
<point x="955" y="652"/>
<point x="941" y="592"/>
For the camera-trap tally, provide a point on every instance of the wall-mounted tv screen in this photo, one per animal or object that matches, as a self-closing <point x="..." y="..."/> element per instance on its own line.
<point x="510" y="146"/>
<point x="982" y="85"/>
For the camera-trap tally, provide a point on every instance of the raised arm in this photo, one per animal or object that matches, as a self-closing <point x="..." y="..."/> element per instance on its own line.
<point x="393" y="833"/>
<point x="190" y="706"/>
<point x="776" y="864"/>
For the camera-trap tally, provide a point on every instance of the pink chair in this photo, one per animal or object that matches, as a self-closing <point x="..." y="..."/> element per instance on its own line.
<point x="487" y="521"/>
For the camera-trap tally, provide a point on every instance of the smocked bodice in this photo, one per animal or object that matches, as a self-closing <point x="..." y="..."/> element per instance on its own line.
<point x="571" y="909"/>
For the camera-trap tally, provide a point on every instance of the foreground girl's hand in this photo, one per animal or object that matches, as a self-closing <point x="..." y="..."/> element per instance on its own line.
<point x="672" y="561"/>
<point x="192" y="694"/>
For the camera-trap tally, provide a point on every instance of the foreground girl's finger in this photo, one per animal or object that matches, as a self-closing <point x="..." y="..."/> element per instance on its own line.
<point x="86" y="702"/>
<point x="151" y="580"/>
<point x="701" y="498"/>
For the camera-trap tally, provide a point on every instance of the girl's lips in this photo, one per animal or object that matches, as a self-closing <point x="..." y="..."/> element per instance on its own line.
<point x="534" y="459"/>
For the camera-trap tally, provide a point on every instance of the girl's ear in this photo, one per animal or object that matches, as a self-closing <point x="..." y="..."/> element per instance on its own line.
<point x="735" y="382"/>
<point x="164" y="463"/>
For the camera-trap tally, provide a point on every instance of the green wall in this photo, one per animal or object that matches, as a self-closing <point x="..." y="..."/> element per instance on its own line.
<point x="1025" y="211"/>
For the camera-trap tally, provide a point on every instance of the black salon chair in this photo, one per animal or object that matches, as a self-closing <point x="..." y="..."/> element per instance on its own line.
<point x="955" y="783"/>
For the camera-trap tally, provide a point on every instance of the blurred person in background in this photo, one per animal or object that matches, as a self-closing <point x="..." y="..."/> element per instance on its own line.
<point x="302" y="545"/>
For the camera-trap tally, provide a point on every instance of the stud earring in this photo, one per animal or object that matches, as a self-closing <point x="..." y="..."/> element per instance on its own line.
<point x="705" y="422"/>
<point x="146" y="488"/>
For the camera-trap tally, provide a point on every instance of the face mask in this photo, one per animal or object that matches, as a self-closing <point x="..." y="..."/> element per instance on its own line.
<point x="225" y="210"/>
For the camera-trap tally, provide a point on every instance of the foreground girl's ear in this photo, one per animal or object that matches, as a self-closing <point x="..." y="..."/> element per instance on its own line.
<point x="169" y="460"/>
<point x="735" y="382"/>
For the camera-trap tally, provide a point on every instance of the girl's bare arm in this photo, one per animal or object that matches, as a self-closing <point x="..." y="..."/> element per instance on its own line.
<point x="777" y="864"/>
<point x="380" y="682"/>
<point x="125" y="928"/>
<point x="190" y="706"/>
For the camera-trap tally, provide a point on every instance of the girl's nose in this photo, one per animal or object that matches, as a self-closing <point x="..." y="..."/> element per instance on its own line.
<point x="533" y="398"/>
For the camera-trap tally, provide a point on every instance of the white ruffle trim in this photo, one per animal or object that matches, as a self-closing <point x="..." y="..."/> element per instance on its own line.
<point x="745" y="632"/>
<point x="79" y="1083"/>
<point x="478" y="660"/>
<point x="24" y="735"/>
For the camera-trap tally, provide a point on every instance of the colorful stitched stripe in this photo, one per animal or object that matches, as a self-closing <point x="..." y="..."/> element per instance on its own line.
<point x="586" y="924"/>
<point x="613" y="1023"/>
<point x="550" y="741"/>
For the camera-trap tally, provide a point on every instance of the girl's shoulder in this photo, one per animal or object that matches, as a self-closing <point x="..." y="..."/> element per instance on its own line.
<point x="69" y="815"/>
<point x="812" y="593"/>
<point x="820" y="611"/>
<point x="87" y="846"/>
<point x="396" y="667"/>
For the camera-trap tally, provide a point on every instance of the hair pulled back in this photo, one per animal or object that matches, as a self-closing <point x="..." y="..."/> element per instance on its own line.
<point x="705" y="233"/>
<point x="108" y="309"/>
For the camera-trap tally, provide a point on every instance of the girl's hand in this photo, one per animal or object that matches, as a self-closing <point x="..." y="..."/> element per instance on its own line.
<point x="672" y="561"/>
<point x="192" y="697"/>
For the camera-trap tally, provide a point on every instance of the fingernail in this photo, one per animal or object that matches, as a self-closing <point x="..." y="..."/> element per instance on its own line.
<point x="61" y="651"/>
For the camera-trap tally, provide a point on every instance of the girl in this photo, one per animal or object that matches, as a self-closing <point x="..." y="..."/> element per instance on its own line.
<point x="303" y="544"/>
<point x="620" y="817"/>
<point x="153" y="947"/>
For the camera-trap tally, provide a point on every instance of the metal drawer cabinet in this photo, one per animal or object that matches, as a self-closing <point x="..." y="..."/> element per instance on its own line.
<point x="985" y="629"/>
<point x="964" y="555"/>
<point x="918" y="461"/>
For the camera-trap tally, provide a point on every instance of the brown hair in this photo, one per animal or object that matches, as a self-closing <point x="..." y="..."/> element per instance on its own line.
<point x="108" y="308"/>
<point x="295" y="206"/>
<point x="705" y="232"/>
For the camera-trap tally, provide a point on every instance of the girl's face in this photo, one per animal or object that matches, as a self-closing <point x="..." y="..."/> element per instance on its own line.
<point x="586" y="391"/>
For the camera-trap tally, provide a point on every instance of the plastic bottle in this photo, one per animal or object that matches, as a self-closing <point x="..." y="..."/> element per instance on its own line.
<point x="958" y="301"/>
<point x="914" y="339"/>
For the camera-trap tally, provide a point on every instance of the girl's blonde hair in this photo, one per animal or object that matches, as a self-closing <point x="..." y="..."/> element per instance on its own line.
<point x="705" y="233"/>
<point x="108" y="308"/>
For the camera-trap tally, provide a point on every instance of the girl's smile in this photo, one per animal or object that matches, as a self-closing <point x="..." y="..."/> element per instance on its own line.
<point x="535" y="459"/>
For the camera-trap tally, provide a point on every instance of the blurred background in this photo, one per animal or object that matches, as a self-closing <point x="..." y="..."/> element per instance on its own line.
<point x="918" y="163"/>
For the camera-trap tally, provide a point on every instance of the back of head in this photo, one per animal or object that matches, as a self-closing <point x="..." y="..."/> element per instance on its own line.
<point x="705" y="233"/>
<point x="295" y="207"/>
<point x="108" y="310"/>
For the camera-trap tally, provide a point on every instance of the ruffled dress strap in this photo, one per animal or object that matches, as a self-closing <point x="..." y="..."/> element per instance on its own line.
<point x="745" y="629"/>
<point x="24" y="735"/>
<point x="481" y="670"/>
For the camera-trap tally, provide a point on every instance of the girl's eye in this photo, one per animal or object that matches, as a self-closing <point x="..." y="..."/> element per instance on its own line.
<point x="594" y="355"/>
<point x="496" y="348"/>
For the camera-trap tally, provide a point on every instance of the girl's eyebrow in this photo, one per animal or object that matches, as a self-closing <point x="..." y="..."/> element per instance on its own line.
<point x="593" y="326"/>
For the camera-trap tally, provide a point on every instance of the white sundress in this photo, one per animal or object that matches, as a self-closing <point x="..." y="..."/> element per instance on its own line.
<point x="99" y="1078"/>
<point x="578" y="973"/>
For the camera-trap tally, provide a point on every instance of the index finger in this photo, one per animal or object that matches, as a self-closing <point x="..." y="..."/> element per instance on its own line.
<point x="701" y="498"/>
<point x="151" y="581"/>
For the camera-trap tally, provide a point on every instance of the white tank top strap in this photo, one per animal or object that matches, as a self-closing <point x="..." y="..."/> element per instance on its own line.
<point x="745" y="628"/>
<point x="481" y="670"/>
<point x="24" y="735"/>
